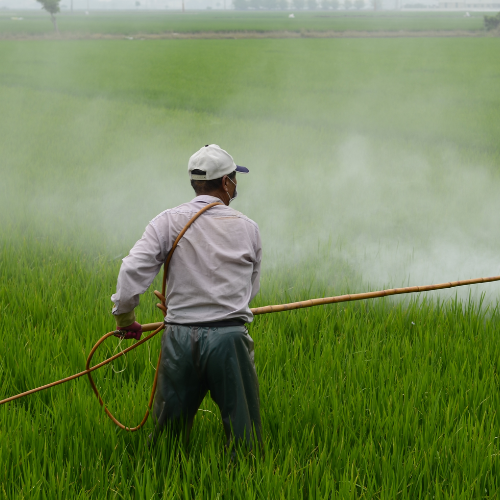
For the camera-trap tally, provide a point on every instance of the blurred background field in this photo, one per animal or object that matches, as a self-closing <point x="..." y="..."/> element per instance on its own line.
<point x="158" y="22"/>
<point x="385" y="150"/>
<point x="374" y="162"/>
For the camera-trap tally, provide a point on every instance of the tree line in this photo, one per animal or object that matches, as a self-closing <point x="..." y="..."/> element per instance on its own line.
<point x="298" y="4"/>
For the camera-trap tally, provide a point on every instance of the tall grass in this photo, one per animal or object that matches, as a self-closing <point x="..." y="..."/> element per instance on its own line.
<point x="377" y="399"/>
<point x="358" y="150"/>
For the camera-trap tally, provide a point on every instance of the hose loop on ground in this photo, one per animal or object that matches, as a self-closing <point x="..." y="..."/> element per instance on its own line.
<point x="96" y="391"/>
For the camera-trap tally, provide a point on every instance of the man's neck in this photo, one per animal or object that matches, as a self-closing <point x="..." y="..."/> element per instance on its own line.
<point x="220" y="193"/>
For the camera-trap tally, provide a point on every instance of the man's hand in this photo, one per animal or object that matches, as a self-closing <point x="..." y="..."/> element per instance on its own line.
<point x="133" y="331"/>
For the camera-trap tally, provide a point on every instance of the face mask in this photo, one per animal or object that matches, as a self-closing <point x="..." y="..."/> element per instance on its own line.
<point x="235" y="193"/>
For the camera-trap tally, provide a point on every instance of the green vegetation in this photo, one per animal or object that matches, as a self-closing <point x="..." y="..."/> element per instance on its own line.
<point x="132" y="23"/>
<point x="358" y="400"/>
<point x="372" y="162"/>
<point x="492" y="22"/>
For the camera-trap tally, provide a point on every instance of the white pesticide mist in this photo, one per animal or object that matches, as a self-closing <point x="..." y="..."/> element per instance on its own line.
<point x="339" y="210"/>
<point x="411" y="221"/>
<point x="401" y="221"/>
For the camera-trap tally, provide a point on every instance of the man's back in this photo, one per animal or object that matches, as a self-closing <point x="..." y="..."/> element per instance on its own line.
<point x="214" y="272"/>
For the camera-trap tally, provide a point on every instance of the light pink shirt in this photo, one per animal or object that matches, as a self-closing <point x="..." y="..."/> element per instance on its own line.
<point x="215" y="269"/>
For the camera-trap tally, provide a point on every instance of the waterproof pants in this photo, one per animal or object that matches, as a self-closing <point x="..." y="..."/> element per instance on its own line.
<point x="195" y="360"/>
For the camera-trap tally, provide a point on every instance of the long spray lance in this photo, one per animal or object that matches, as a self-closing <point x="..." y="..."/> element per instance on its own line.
<point x="352" y="297"/>
<point x="157" y="327"/>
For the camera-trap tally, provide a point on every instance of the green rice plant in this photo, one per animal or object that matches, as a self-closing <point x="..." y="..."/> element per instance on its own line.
<point x="492" y="22"/>
<point x="350" y="143"/>
<point x="378" y="398"/>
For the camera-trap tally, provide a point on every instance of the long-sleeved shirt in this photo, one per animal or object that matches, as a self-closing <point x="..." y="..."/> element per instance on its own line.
<point x="214" y="272"/>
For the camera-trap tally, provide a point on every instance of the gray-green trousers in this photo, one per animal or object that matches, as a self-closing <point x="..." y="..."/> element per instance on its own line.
<point x="195" y="360"/>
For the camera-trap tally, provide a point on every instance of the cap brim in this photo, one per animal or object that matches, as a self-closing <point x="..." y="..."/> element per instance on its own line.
<point x="242" y="170"/>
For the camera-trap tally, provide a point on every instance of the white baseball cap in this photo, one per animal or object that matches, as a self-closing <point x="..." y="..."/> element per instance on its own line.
<point x="214" y="161"/>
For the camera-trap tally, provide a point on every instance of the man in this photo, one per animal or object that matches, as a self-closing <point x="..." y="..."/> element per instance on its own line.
<point x="212" y="277"/>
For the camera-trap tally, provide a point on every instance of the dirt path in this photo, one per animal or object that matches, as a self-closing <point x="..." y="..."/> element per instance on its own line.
<point x="236" y="35"/>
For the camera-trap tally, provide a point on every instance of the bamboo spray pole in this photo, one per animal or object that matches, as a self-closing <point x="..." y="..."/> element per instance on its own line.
<point x="272" y="309"/>
<point x="351" y="297"/>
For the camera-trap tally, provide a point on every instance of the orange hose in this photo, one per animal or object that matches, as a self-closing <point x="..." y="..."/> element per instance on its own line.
<point x="88" y="370"/>
<point x="94" y="388"/>
<point x="163" y="308"/>
<point x="157" y="327"/>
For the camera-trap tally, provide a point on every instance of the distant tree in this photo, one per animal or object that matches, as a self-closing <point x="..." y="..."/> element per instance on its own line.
<point x="312" y="4"/>
<point x="492" y="22"/>
<point x="255" y="4"/>
<point x="359" y="4"/>
<point x="283" y="4"/>
<point x="299" y="4"/>
<point x="52" y="7"/>
<point x="240" y="4"/>
<point x="326" y="4"/>
<point x="137" y="4"/>
<point x="335" y="4"/>
<point x="347" y="4"/>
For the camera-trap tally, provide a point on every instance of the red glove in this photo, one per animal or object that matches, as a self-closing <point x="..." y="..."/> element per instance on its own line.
<point x="133" y="331"/>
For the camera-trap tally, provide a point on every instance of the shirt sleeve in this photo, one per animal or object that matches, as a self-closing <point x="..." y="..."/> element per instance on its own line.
<point x="137" y="272"/>
<point x="256" y="265"/>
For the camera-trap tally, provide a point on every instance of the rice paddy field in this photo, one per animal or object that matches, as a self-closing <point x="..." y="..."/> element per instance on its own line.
<point x="374" y="163"/>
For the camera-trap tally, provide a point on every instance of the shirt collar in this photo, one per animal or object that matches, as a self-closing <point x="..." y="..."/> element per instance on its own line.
<point x="205" y="198"/>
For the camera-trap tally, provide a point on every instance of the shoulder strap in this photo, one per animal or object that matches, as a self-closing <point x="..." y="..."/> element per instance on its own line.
<point x="162" y="295"/>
